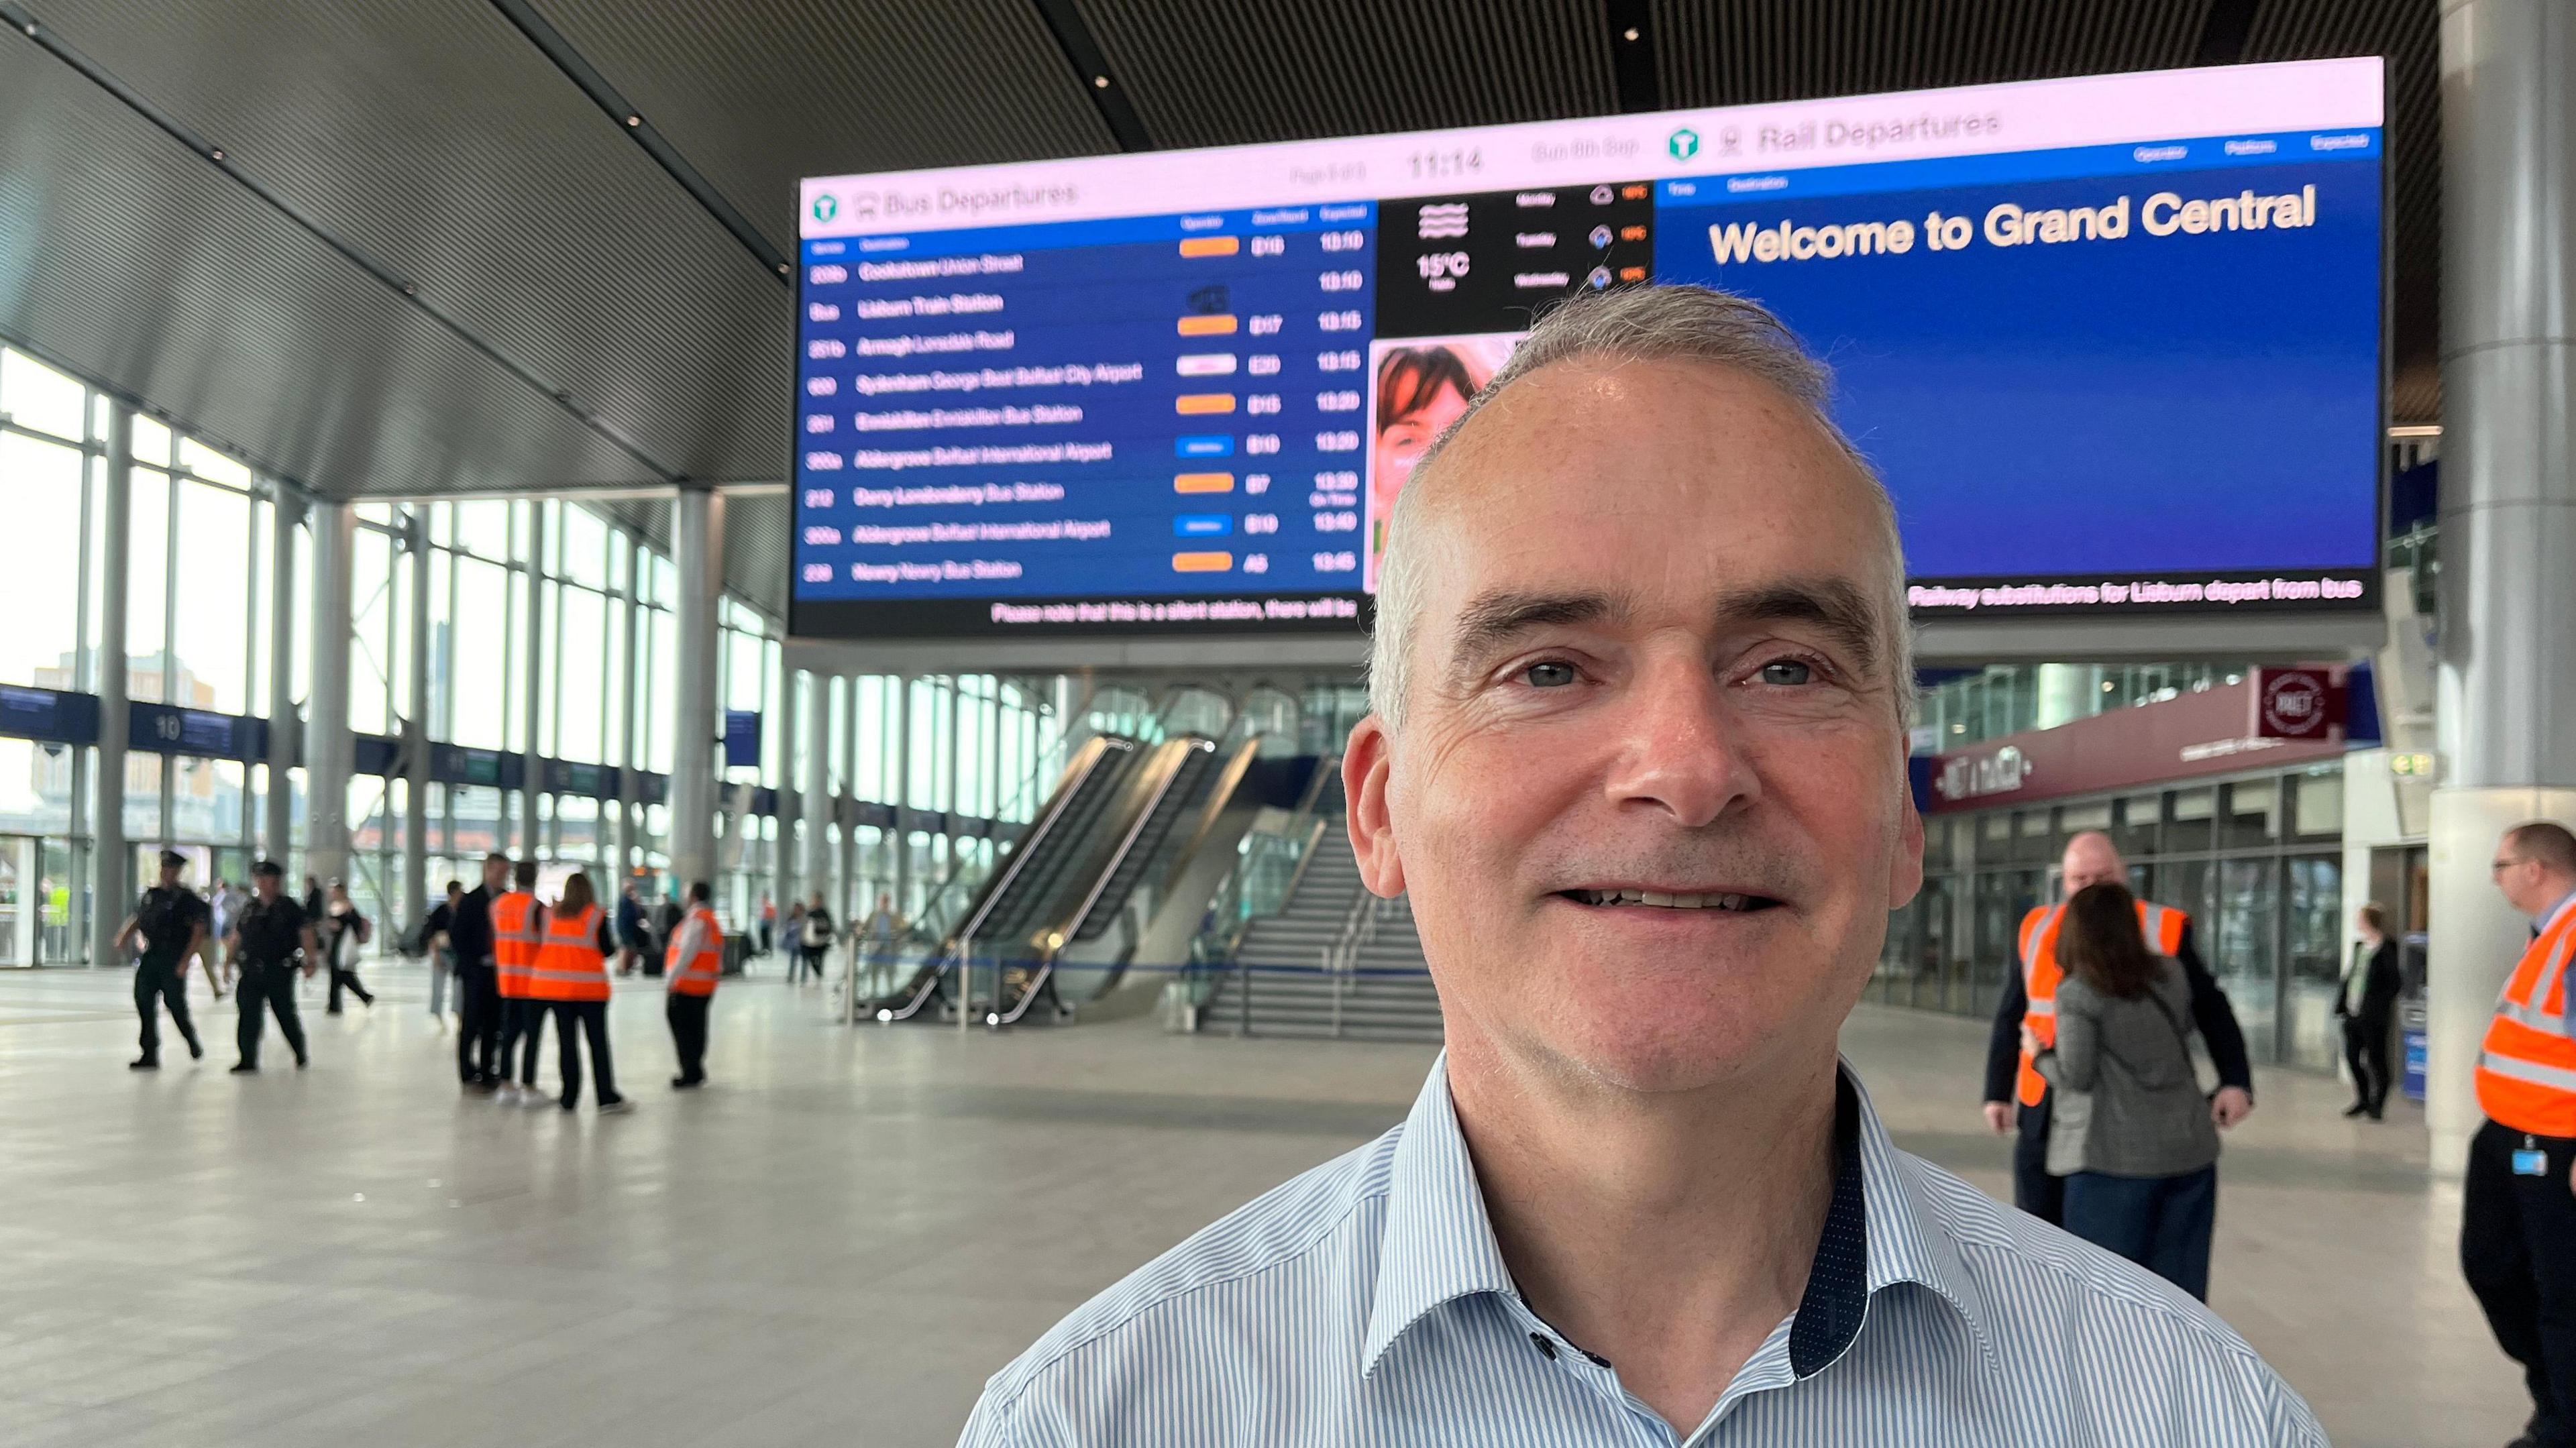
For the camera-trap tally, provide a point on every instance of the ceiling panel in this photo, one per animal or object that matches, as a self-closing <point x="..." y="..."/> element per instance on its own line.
<point x="128" y="259"/>
<point x="1219" y="74"/>
<point x="1738" y="52"/>
<point x="758" y="93"/>
<point x="432" y="135"/>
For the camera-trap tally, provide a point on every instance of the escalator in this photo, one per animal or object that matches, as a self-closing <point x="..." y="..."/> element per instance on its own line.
<point x="1193" y="804"/>
<point x="1162" y="791"/>
<point x="1058" y="840"/>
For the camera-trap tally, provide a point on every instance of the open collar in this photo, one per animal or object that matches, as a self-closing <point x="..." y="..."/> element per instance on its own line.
<point x="1881" y="1231"/>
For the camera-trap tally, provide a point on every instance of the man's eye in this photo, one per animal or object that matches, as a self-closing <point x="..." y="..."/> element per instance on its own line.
<point x="1549" y="675"/>
<point x="1788" y="671"/>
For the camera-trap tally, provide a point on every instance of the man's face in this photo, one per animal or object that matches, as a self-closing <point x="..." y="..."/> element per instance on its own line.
<point x="2090" y="861"/>
<point x="1645" y="662"/>
<point x="169" y="875"/>
<point x="2524" y="883"/>
<point x="496" y="874"/>
<point x="266" y="886"/>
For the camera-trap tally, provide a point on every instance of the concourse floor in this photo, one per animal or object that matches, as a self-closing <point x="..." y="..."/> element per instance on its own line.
<point x="841" y="1237"/>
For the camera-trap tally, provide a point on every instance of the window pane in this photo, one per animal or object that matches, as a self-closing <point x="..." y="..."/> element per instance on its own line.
<point x="2315" y="933"/>
<point x="40" y="495"/>
<point x="147" y="583"/>
<point x="2248" y="915"/>
<point x="585" y="547"/>
<point x="207" y="463"/>
<point x="215" y="557"/>
<point x="37" y="396"/>
<point x="484" y="529"/>
<point x="370" y="631"/>
<point x="2317" y="809"/>
<point x="151" y="441"/>
<point x="2253" y="815"/>
<point x="475" y="645"/>
<point x="585" y="652"/>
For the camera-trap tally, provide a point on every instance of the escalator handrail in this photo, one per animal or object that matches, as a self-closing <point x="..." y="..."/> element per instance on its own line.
<point x="1064" y="730"/>
<point x="1327" y="769"/>
<point x="1063" y="935"/>
<point x="1036" y="837"/>
<point x="1219" y="795"/>
<point x="945" y="957"/>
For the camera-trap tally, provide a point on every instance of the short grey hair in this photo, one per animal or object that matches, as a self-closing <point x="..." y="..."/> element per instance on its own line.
<point x="1640" y="324"/>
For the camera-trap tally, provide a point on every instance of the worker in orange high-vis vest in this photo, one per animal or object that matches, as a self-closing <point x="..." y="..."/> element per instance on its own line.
<point x="2016" y="1094"/>
<point x="571" y="974"/>
<point x="518" y="923"/>
<point x="2518" y="1206"/>
<point x="690" y="965"/>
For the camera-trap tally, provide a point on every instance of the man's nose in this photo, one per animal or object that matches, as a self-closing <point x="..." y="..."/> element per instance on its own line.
<point x="1677" y="750"/>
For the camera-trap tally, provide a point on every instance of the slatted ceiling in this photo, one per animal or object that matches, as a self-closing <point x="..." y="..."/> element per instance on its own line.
<point x="2408" y="35"/>
<point x="756" y="555"/>
<point x="127" y="259"/>
<point x="1214" y="74"/>
<point x="1737" y="52"/>
<point x="758" y="93"/>
<point x="432" y="135"/>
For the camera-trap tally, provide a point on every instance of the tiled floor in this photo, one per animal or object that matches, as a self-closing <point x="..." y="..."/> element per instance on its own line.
<point x="840" y="1240"/>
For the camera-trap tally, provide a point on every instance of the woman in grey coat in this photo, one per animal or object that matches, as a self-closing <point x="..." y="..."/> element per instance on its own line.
<point x="2132" y="1133"/>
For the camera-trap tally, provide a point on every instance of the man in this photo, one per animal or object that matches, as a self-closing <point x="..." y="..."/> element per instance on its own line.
<point x="220" y="906"/>
<point x="2366" y="1002"/>
<point x="1640" y="686"/>
<point x="2518" y="1204"/>
<point x="768" y="922"/>
<point x="343" y="931"/>
<point x="518" y="929"/>
<point x="690" y="970"/>
<point x="815" y="940"/>
<point x="438" y="940"/>
<point x="2030" y="995"/>
<point x="478" y="992"/>
<point x="170" y="921"/>
<point x="630" y="929"/>
<point x="267" y="935"/>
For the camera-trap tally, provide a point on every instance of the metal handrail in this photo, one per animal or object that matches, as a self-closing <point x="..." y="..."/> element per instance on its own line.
<point x="1063" y="937"/>
<point x="992" y="897"/>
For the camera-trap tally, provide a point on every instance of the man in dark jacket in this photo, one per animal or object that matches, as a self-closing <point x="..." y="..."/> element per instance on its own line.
<point x="478" y="989"/>
<point x="2090" y="859"/>
<point x="2367" y="1002"/>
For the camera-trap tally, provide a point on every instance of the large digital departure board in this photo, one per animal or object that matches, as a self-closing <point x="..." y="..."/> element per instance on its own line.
<point x="2114" y="343"/>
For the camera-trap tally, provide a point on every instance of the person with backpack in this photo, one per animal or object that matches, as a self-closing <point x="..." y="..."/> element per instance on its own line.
<point x="2131" y="1132"/>
<point x="344" y="932"/>
<point x="168" y="925"/>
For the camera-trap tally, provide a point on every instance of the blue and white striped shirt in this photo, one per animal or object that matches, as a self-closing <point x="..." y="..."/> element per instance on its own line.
<point x="1366" y="1302"/>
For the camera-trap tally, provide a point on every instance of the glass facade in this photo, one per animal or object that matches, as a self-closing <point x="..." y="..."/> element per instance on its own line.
<point x="549" y="630"/>
<point x="2256" y="860"/>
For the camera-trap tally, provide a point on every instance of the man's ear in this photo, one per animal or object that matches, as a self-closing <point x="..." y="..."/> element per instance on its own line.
<point x="1366" y="761"/>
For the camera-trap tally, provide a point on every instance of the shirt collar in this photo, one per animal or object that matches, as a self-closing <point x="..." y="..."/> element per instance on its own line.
<point x="2542" y="921"/>
<point x="1438" y="1244"/>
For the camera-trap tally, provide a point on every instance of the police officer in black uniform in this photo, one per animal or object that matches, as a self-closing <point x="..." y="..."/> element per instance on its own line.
<point x="170" y="921"/>
<point x="271" y="930"/>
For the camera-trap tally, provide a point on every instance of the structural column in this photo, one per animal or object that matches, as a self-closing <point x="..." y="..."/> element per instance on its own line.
<point x="630" y="831"/>
<point x="327" y="746"/>
<point x="415" y="887"/>
<point x="902" y="791"/>
<point x="532" y="781"/>
<point x="817" y="784"/>
<point x="2507" y="684"/>
<point x="278" y="805"/>
<point x="111" y="872"/>
<point x="693" y="720"/>
<point x="787" y="865"/>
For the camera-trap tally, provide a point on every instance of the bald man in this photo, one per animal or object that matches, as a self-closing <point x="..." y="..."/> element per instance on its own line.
<point x="2016" y="1094"/>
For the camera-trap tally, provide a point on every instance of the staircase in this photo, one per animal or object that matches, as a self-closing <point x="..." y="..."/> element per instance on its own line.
<point x="1386" y="997"/>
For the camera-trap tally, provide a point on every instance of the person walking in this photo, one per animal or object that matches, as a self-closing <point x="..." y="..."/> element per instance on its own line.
<point x="2367" y="1004"/>
<point x="879" y="933"/>
<point x="571" y="974"/>
<point x="816" y="937"/>
<point x="2518" y="1203"/>
<point x="313" y="898"/>
<point x="518" y="930"/>
<point x="478" y="991"/>
<point x="344" y="932"/>
<point x="630" y="929"/>
<point x="437" y="938"/>
<point x="2016" y="1094"/>
<point x="2131" y="1134"/>
<point x="269" y="933"/>
<point x="220" y="907"/>
<point x="791" y="939"/>
<point x="690" y="970"/>
<point x="768" y="923"/>
<point x="168" y="926"/>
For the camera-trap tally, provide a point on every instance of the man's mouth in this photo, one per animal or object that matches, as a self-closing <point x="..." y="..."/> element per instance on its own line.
<point x="1670" y="900"/>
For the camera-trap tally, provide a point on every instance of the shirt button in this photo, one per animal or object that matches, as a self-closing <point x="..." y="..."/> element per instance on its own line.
<point x="1548" y="1349"/>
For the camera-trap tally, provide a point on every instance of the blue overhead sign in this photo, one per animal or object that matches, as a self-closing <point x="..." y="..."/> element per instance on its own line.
<point x="742" y="739"/>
